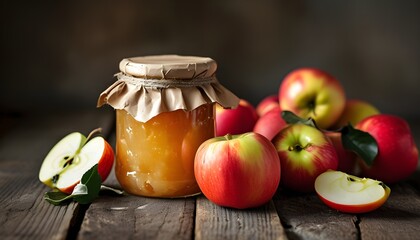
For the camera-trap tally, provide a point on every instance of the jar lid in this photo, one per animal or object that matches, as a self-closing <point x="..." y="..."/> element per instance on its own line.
<point x="169" y="67"/>
<point x="149" y="85"/>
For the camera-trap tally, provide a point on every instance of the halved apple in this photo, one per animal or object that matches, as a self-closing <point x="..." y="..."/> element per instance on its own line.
<point x="350" y="194"/>
<point x="71" y="157"/>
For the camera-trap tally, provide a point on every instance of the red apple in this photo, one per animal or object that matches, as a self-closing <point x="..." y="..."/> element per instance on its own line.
<point x="310" y="92"/>
<point x="397" y="152"/>
<point x="346" y="158"/>
<point x="347" y="193"/>
<point x="239" y="171"/>
<point x="235" y="121"/>
<point x="355" y="111"/>
<point x="270" y="124"/>
<point x="71" y="157"/>
<point x="267" y="104"/>
<point x="305" y="152"/>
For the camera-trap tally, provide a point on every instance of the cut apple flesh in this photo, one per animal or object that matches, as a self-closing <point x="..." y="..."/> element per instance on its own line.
<point x="348" y="193"/>
<point x="88" y="156"/>
<point x="69" y="159"/>
<point x="59" y="155"/>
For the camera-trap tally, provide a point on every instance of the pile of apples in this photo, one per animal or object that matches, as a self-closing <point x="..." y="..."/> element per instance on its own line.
<point x="257" y="149"/>
<point x="238" y="168"/>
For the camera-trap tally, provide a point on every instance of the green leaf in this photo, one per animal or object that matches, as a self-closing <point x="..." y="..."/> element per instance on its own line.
<point x="291" y="118"/>
<point x="57" y="198"/>
<point x="92" y="180"/>
<point x="360" y="142"/>
<point x="84" y="192"/>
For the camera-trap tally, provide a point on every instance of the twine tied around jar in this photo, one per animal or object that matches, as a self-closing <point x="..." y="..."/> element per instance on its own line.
<point x="165" y="83"/>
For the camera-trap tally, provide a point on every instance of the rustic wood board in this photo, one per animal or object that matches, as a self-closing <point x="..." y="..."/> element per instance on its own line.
<point x="304" y="216"/>
<point x="215" y="222"/>
<point x="24" y="213"/>
<point x="134" y="217"/>
<point x="398" y="218"/>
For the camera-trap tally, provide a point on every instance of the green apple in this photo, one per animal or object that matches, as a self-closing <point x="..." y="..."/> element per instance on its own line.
<point x="355" y="111"/>
<point x="350" y="194"/>
<point x="71" y="157"/>
<point x="304" y="152"/>
<point x="310" y="92"/>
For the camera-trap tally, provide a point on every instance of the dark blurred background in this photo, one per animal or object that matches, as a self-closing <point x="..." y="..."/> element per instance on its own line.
<point x="63" y="54"/>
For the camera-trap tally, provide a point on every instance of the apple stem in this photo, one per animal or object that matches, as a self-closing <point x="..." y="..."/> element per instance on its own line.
<point x="228" y="136"/>
<point x="298" y="147"/>
<point x="93" y="132"/>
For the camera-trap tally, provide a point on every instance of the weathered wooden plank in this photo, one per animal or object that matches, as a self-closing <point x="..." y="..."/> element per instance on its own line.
<point x="304" y="216"/>
<point x="24" y="214"/>
<point x="215" y="222"/>
<point x="398" y="218"/>
<point x="134" y="217"/>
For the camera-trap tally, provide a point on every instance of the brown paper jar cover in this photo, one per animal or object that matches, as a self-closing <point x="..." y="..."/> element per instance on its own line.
<point x="150" y="85"/>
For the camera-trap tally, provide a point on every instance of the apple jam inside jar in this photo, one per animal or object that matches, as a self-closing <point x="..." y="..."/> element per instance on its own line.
<point x="165" y="109"/>
<point x="156" y="158"/>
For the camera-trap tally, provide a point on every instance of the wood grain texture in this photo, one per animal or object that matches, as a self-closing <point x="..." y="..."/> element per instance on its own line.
<point x="24" y="214"/>
<point x="304" y="216"/>
<point x="398" y="218"/>
<point x="134" y="217"/>
<point x="215" y="222"/>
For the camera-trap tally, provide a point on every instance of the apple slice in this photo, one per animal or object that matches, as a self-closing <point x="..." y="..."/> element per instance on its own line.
<point x="71" y="157"/>
<point x="351" y="194"/>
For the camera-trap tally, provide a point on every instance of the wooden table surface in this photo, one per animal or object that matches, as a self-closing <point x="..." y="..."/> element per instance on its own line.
<point x="25" y="139"/>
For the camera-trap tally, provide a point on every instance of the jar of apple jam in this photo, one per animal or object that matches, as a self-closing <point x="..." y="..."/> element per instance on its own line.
<point x="164" y="111"/>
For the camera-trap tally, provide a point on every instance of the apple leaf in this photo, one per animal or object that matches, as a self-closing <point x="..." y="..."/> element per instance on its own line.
<point x="84" y="192"/>
<point x="291" y="118"/>
<point x="92" y="181"/>
<point x="360" y="142"/>
<point x="57" y="198"/>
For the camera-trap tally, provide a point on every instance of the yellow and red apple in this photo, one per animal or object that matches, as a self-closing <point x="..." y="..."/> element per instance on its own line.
<point x="238" y="171"/>
<point x="397" y="155"/>
<point x="355" y="111"/>
<point x="235" y="121"/>
<point x="73" y="156"/>
<point x="310" y="92"/>
<point x="304" y="152"/>
<point x="350" y="194"/>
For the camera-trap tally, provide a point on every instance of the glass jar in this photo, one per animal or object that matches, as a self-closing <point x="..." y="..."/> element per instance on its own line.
<point x="165" y="111"/>
<point x="156" y="158"/>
